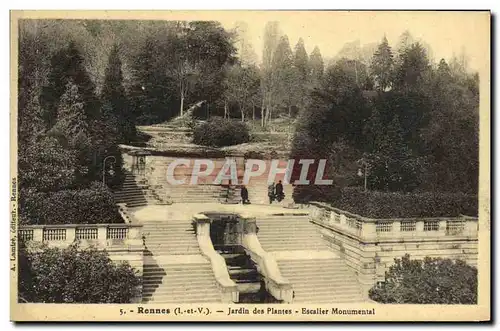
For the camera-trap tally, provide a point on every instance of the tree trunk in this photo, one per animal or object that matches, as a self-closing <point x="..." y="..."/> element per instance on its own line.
<point x="225" y="109"/>
<point x="262" y="112"/>
<point x="290" y="111"/>
<point x="182" y="104"/>
<point x="253" y="112"/>
<point x="242" y="114"/>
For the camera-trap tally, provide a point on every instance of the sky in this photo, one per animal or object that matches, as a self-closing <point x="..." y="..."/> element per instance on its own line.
<point x="447" y="33"/>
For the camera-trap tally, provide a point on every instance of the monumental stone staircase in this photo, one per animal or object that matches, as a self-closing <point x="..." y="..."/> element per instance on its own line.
<point x="289" y="233"/>
<point x="131" y="192"/>
<point x="321" y="280"/>
<point x="202" y="192"/>
<point x="174" y="270"/>
<point x="315" y="272"/>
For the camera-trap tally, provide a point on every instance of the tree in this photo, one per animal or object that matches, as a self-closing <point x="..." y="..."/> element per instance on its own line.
<point x="301" y="60"/>
<point x="451" y="137"/>
<point x="246" y="52"/>
<point x="283" y="76"/>
<point x="73" y="275"/>
<point x="272" y="36"/>
<point x="114" y="97"/>
<point x="153" y="94"/>
<point x="68" y="65"/>
<point x="184" y="72"/>
<point x="382" y="65"/>
<point x="242" y="86"/>
<point x="414" y="66"/>
<point x="316" y="66"/>
<point x="300" y="88"/>
<point x="427" y="281"/>
<point x="45" y="155"/>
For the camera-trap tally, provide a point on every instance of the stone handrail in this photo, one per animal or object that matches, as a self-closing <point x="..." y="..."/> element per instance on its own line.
<point x="276" y="284"/>
<point x="124" y="213"/>
<point x="99" y="235"/>
<point x="387" y="229"/>
<point x="226" y="284"/>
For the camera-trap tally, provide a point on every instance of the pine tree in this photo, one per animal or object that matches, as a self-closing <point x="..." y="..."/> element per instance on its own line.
<point x="301" y="60"/>
<point x="68" y="64"/>
<point x="283" y="73"/>
<point x="71" y="122"/>
<point x="317" y="66"/>
<point x="413" y="68"/>
<point x="114" y="97"/>
<point x="382" y="65"/>
<point x="300" y="75"/>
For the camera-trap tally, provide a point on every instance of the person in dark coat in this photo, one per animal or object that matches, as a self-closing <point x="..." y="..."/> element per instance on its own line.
<point x="279" y="191"/>
<point x="270" y="193"/>
<point x="244" y="195"/>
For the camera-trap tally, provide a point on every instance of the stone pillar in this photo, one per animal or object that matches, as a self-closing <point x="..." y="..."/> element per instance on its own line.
<point x="249" y="224"/>
<point x="70" y="234"/>
<point x="369" y="230"/>
<point x="343" y="219"/>
<point x="419" y="227"/>
<point x="442" y="228"/>
<point x="470" y="227"/>
<point x="202" y="225"/>
<point x="102" y="235"/>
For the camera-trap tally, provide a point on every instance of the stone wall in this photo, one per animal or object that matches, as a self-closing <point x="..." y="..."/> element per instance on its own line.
<point x="369" y="246"/>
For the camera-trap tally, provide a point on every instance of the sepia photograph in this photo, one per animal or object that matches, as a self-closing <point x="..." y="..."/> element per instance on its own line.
<point x="250" y="165"/>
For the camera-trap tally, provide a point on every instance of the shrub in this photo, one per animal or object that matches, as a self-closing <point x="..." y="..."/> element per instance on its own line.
<point x="71" y="275"/>
<point x="219" y="132"/>
<point x="87" y="206"/>
<point x="428" y="281"/>
<point x="377" y="204"/>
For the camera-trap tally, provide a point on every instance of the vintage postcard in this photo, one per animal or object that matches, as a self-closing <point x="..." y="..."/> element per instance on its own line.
<point x="250" y="166"/>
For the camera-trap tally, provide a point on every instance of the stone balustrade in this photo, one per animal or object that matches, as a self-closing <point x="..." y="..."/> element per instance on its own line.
<point x="373" y="230"/>
<point x="225" y="284"/>
<point x="97" y="235"/>
<point x="276" y="284"/>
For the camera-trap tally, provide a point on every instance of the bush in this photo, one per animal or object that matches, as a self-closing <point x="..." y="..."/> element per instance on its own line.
<point x="377" y="204"/>
<point x="70" y="275"/>
<point x="87" y="206"/>
<point x="431" y="281"/>
<point x="219" y="132"/>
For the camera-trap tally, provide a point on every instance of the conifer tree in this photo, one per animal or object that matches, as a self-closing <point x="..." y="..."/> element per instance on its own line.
<point x="115" y="100"/>
<point x="382" y="65"/>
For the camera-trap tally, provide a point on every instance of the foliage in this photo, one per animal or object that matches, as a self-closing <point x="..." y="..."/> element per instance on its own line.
<point x="376" y="204"/>
<point x="218" y="132"/>
<point x="417" y="131"/>
<point x="92" y="205"/>
<point x="72" y="275"/>
<point x="428" y="281"/>
<point x="242" y="87"/>
<point x="114" y="96"/>
<point x="382" y="65"/>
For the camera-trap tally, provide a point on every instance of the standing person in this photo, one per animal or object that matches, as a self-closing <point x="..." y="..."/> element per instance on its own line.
<point x="270" y="193"/>
<point x="244" y="195"/>
<point x="279" y="192"/>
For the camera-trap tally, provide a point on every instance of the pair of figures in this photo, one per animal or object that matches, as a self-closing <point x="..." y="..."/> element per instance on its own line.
<point x="275" y="192"/>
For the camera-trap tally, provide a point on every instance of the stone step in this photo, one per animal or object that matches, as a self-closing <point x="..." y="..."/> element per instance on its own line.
<point x="177" y="288"/>
<point x="195" y="268"/>
<point x="206" y="293"/>
<point x="174" y="252"/>
<point x="154" y="281"/>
